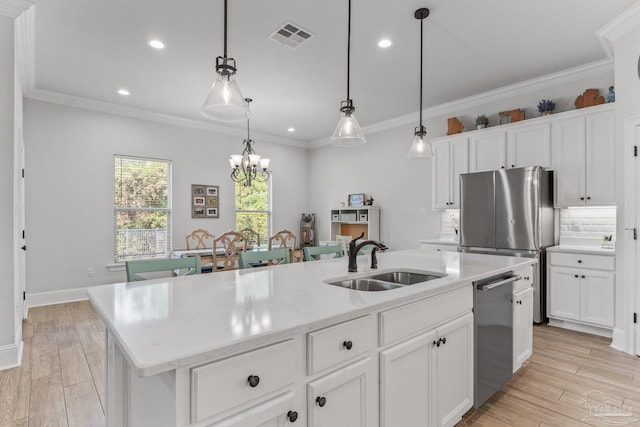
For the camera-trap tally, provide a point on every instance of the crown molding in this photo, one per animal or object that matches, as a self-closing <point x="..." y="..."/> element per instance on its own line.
<point x="13" y="8"/>
<point x="618" y="27"/>
<point x="540" y="83"/>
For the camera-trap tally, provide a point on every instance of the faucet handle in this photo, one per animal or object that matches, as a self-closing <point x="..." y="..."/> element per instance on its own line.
<point x="355" y="239"/>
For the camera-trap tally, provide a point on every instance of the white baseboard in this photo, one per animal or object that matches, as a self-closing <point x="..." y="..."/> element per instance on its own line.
<point x="619" y="339"/>
<point x="10" y="356"/>
<point x="567" y="324"/>
<point x="55" y="297"/>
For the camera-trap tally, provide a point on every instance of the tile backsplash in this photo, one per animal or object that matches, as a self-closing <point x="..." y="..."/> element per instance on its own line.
<point x="588" y="223"/>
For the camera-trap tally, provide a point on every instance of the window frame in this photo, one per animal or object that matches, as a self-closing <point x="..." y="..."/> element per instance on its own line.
<point x="269" y="210"/>
<point x="118" y="258"/>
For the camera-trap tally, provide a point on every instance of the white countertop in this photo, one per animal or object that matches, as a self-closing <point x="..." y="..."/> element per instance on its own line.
<point x="596" y="250"/>
<point x="440" y="242"/>
<point x="164" y="324"/>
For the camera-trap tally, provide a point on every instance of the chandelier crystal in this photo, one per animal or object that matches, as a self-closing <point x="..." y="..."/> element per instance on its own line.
<point x="249" y="166"/>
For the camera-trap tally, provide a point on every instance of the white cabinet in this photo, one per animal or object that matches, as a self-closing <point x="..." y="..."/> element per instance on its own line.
<point x="428" y="377"/>
<point x="581" y="291"/>
<point x="583" y="158"/>
<point x="529" y="145"/>
<point x="451" y="160"/>
<point x="353" y="220"/>
<point x="487" y="150"/>
<point x="342" y="398"/>
<point x="522" y="327"/>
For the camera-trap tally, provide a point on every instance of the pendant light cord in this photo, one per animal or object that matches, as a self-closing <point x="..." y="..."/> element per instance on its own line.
<point x="421" y="22"/>
<point x="225" y="29"/>
<point x="348" y="50"/>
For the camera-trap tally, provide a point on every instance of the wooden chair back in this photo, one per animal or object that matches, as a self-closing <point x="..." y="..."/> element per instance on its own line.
<point x="199" y="239"/>
<point x="226" y="249"/>
<point x="259" y="258"/>
<point x="283" y="239"/>
<point x="312" y="253"/>
<point x="251" y="237"/>
<point x="136" y="267"/>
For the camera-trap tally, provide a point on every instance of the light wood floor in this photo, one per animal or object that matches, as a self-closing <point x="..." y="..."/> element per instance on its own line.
<point x="61" y="380"/>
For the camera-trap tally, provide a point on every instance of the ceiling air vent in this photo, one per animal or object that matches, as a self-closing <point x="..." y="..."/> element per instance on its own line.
<point x="291" y="35"/>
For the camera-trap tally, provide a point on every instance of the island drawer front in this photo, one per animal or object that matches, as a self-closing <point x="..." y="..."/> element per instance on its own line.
<point x="336" y="344"/>
<point x="600" y="262"/>
<point x="419" y="316"/>
<point x="525" y="281"/>
<point x="223" y="385"/>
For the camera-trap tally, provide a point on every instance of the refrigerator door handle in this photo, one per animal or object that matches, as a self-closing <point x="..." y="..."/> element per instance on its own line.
<point x="489" y="286"/>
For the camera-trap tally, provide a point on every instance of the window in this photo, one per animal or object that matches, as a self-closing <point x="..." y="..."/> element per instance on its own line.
<point x="253" y="208"/>
<point x="142" y="208"/>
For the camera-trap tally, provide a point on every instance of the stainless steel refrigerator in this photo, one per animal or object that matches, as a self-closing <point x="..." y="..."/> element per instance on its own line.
<point x="510" y="212"/>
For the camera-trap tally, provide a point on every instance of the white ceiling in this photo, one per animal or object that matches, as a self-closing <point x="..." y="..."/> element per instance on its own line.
<point x="91" y="48"/>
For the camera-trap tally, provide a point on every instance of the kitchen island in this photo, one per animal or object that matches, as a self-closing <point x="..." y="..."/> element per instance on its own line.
<point x="277" y="345"/>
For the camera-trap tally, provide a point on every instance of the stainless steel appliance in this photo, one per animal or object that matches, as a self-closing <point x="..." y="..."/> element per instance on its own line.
<point x="510" y="212"/>
<point x="493" y="339"/>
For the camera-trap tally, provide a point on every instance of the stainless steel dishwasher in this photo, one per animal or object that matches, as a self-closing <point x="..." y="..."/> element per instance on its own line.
<point x="493" y="321"/>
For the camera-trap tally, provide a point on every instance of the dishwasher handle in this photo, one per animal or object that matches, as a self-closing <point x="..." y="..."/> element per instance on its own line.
<point x="493" y="285"/>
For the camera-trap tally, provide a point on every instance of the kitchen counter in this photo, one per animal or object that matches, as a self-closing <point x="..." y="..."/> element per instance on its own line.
<point x="439" y="242"/>
<point x="164" y="324"/>
<point x="582" y="249"/>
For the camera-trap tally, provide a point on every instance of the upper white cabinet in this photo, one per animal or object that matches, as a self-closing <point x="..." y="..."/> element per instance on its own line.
<point x="487" y="150"/>
<point x="529" y="145"/>
<point x="583" y="158"/>
<point x="451" y="160"/>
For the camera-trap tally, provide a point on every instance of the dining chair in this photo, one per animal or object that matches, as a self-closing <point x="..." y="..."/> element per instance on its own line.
<point x="201" y="239"/>
<point x="135" y="267"/>
<point x="251" y="237"/>
<point x="226" y="248"/>
<point x="262" y="258"/>
<point x="312" y="253"/>
<point x="283" y="239"/>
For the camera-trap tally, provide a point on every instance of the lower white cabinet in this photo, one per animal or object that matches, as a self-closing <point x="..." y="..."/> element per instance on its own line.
<point x="428" y="380"/>
<point x="342" y="398"/>
<point x="522" y="326"/>
<point x="581" y="290"/>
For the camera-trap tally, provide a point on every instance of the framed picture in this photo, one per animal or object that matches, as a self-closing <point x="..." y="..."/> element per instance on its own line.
<point x="198" y="190"/>
<point x="212" y="191"/>
<point x="198" y="212"/>
<point x="356" y="199"/>
<point x="204" y="201"/>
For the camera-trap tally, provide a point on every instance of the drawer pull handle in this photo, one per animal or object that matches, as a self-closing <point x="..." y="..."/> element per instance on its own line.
<point x="321" y="401"/>
<point x="253" y="380"/>
<point x="292" y="416"/>
<point x="348" y="345"/>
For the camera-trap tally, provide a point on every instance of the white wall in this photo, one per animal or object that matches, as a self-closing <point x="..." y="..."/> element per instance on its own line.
<point x="7" y="250"/>
<point x="69" y="187"/>
<point x="401" y="187"/>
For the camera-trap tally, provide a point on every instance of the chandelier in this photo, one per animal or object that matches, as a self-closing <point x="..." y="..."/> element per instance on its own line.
<point x="249" y="166"/>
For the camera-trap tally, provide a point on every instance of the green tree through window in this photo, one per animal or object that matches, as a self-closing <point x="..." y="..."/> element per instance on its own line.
<point x="142" y="208"/>
<point x="253" y="208"/>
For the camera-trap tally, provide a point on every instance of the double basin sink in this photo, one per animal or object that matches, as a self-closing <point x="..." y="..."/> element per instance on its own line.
<point x="387" y="280"/>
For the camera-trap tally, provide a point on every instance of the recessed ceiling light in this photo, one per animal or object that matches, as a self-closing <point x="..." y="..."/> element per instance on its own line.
<point x="156" y="44"/>
<point x="384" y="43"/>
<point x="291" y="129"/>
<point x="124" y="92"/>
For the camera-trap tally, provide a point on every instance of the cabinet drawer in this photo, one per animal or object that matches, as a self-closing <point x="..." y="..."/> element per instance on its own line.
<point x="338" y="343"/>
<point x="600" y="262"/>
<point x="525" y="281"/>
<point x="410" y="319"/>
<point x="224" y="385"/>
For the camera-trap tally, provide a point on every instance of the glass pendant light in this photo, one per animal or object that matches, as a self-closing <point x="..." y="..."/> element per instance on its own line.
<point x="348" y="132"/>
<point x="225" y="102"/>
<point x="420" y="147"/>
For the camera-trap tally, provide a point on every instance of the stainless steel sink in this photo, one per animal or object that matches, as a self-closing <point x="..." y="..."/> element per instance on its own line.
<point x="406" y="277"/>
<point x="386" y="280"/>
<point x="365" y="285"/>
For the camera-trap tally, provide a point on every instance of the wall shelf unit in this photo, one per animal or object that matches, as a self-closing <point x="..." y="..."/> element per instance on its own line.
<point x="353" y="220"/>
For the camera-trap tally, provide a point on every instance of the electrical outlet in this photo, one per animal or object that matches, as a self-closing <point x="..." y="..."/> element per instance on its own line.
<point x="89" y="272"/>
<point x="575" y="226"/>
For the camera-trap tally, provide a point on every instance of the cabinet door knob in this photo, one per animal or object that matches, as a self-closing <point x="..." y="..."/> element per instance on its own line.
<point x="292" y="416"/>
<point x="519" y="302"/>
<point x="502" y="167"/>
<point x="513" y="166"/>
<point x="253" y="380"/>
<point x="436" y="343"/>
<point x="575" y="275"/>
<point x="583" y="276"/>
<point x="321" y="401"/>
<point x="526" y="277"/>
<point x="588" y="198"/>
<point x="581" y="198"/>
<point x="444" y="340"/>
<point x="579" y="261"/>
<point x="348" y="345"/>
